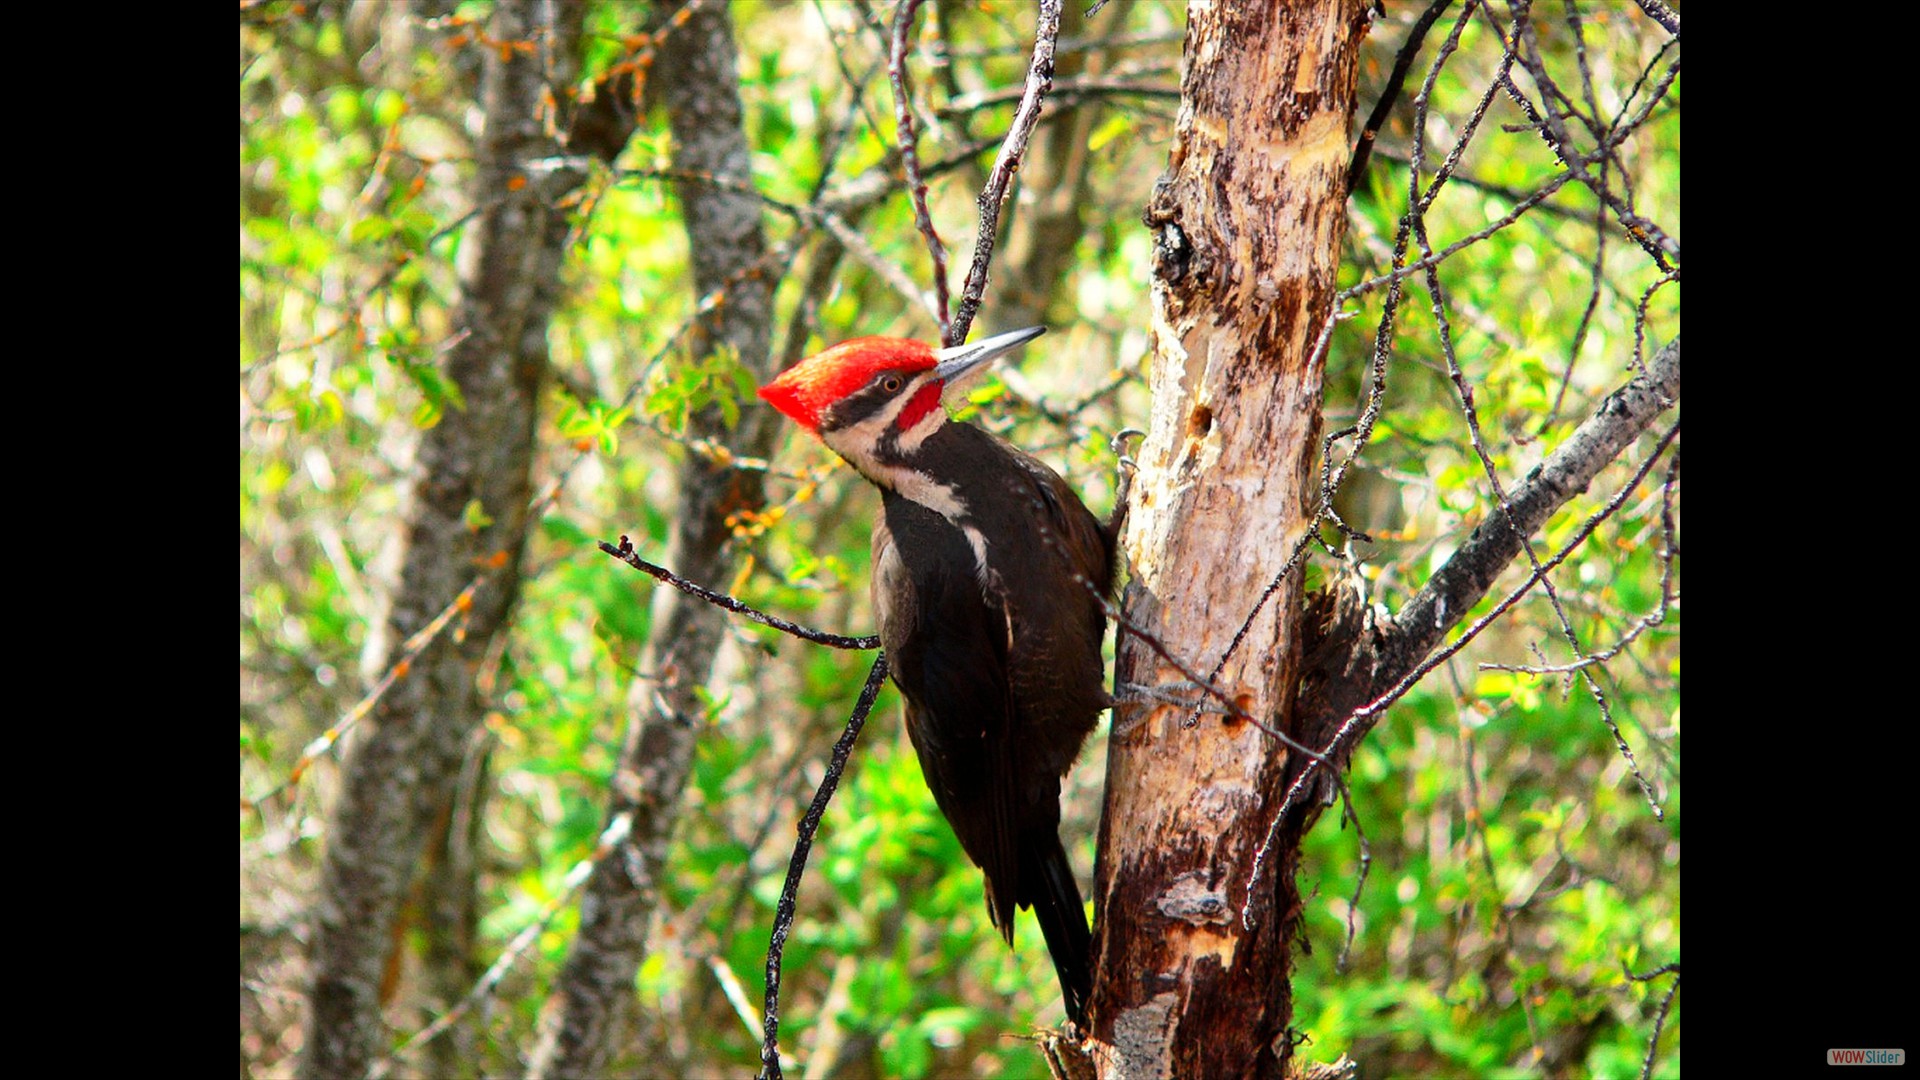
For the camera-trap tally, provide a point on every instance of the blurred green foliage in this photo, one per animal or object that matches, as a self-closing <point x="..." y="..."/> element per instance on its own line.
<point x="1516" y="873"/>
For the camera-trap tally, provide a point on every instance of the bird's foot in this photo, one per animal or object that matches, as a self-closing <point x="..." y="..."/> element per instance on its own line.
<point x="1123" y="484"/>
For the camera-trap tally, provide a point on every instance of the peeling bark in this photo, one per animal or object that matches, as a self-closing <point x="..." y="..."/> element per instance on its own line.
<point x="1248" y="223"/>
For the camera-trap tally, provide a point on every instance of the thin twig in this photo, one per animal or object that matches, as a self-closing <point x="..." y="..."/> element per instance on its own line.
<point x="410" y="651"/>
<point x="1088" y="86"/>
<point x="797" y="865"/>
<point x="1361" y="717"/>
<point x="1551" y="125"/>
<point x="624" y="552"/>
<point x="993" y="196"/>
<point x="1391" y="91"/>
<point x="1472" y="416"/>
<point x="910" y="158"/>
<point x="1670" y="549"/>
<point x="1666" y="1005"/>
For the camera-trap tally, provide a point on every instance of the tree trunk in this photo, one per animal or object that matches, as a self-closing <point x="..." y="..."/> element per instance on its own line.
<point x="1192" y="955"/>
<point x="474" y="465"/>
<point x="699" y="85"/>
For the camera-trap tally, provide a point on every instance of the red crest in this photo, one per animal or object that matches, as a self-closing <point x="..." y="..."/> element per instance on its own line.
<point x="804" y="390"/>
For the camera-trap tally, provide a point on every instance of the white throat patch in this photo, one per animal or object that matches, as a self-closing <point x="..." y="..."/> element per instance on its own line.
<point x="855" y="443"/>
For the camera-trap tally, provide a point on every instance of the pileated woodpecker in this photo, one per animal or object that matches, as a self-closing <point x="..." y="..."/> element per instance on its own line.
<point x="980" y="558"/>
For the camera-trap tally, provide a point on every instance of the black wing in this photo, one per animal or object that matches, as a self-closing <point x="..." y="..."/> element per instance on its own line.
<point x="947" y="642"/>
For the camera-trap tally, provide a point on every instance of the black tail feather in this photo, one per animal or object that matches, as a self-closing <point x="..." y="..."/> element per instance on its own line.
<point x="1050" y="888"/>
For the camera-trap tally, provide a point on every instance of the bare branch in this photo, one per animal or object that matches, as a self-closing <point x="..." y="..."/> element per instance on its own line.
<point x="1397" y="653"/>
<point x="1000" y="179"/>
<point x="1662" y="14"/>
<point x="1552" y="127"/>
<point x="1466" y="577"/>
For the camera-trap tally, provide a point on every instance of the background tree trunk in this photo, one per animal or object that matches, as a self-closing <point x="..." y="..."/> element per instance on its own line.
<point x="700" y="89"/>
<point x="474" y="466"/>
<point x="1248" y="223"/>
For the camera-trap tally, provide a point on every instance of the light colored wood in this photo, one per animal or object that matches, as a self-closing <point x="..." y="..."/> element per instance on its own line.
<point x="1248" y="222"/>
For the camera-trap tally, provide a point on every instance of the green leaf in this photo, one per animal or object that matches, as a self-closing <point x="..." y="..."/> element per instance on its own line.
<point x="475" y="516"/>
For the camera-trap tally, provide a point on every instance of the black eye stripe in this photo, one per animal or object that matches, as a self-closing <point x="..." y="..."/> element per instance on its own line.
<point x="863" y="403"/>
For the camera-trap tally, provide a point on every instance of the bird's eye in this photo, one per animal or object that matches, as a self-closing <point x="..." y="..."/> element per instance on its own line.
<point x="891" y="384"/>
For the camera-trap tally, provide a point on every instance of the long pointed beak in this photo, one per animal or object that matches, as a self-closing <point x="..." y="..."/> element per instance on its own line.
<point x="952" y="365"/>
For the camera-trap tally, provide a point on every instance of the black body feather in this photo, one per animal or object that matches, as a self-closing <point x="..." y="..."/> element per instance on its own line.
<point x="1000" y="667"/>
